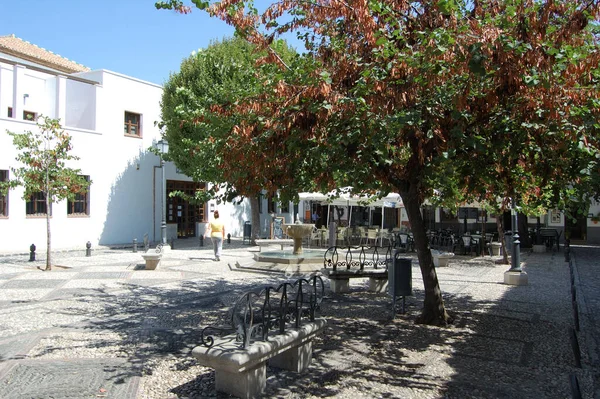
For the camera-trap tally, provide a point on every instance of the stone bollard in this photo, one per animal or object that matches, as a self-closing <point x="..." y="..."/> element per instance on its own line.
<point x="201" y="240"/>
<point x="135" y="245"/>
<point x="32" y="253"/>
<point x="88" y="249"/>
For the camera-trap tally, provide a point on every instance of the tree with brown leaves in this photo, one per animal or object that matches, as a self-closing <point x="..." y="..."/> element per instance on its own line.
<point x="390" y="93"/>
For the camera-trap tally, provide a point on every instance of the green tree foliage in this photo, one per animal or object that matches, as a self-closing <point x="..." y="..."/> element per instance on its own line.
<point x="44" y="154"/>
<point x="198" y="112"/>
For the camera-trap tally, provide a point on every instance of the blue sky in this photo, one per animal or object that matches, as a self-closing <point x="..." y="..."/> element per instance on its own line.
<point x="131" y="37"/>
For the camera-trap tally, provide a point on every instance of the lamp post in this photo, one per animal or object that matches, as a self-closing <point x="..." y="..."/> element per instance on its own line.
<point x="515" y="275"/>
<point x="163" y="148"/>
<point x="515" y="264"/>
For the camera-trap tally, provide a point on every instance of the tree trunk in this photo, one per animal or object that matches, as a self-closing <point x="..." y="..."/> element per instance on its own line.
<point x="500" y="227"/>
<point x="254" y="210"/>
<point x="48" y="238"/>
<point x="433" y="312"/>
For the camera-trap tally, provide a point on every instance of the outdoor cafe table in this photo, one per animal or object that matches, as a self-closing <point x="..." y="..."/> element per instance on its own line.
<point x="482" y="241"/>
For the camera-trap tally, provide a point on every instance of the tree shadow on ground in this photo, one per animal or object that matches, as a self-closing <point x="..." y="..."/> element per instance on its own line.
<point x="144" y="325"/>
<point x="515" y="345"/>
<point x="505" y="342"/>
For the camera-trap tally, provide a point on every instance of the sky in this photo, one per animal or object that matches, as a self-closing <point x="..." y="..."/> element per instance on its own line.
<point x="130" y="37"/>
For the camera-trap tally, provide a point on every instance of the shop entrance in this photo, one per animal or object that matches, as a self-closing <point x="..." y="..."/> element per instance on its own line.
<point x="181" y="211"/>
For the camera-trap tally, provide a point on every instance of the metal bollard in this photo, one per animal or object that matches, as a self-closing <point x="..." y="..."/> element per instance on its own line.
<point x="135" y="245"/>
<point x="567" y="250"/>
<point x="32" y="253"/>
<point x="172" y="243"/>
<point x="228" y="238"/>
<point x="201" y="240"/>
<point x="88" y="249"/>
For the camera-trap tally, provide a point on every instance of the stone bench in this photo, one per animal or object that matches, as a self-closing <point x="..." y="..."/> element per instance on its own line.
<point x="339" y="280"/>
<point x="357" y="262"/>
<point x="152" y="257"/>
<point x="280" y="333"/>
<point x="243" y="372"/>
<point x="263" y="242"/>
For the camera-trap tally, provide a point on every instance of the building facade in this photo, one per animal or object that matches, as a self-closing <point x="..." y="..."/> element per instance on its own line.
<point x="111" y="119"/>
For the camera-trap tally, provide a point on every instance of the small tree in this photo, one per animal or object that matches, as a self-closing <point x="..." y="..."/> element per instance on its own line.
<point x="44" y="154"/>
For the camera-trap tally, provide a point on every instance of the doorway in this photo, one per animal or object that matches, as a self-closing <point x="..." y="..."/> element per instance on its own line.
<point x="577" y="227"/>
<point x="183" y="212"/>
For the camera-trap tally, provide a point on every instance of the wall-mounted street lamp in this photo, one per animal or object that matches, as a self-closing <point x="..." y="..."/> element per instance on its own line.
<point x="163" y="148"/>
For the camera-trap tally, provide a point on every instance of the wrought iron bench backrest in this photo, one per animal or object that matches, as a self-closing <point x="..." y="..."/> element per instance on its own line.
<point x="255" y="315"/>
<point x="358" y="257"/>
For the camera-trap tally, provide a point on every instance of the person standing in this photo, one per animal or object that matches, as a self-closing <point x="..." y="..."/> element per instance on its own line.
<point x="216" y="229"/>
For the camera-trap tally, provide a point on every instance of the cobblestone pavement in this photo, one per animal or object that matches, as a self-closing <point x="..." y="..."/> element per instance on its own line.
<point x="587" y="282"/>
<point x="103" y="327"/>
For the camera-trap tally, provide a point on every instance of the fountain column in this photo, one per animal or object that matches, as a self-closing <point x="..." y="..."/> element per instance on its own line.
<point x="298" y="232"/>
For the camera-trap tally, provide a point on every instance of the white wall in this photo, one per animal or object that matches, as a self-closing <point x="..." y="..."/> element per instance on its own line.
<point x="6" y="88"/>
<point x="80" y="105"/>
<point x="34" y="86"/>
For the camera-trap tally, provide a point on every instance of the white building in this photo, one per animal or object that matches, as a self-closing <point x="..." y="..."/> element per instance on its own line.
<point x="111" y="118"/>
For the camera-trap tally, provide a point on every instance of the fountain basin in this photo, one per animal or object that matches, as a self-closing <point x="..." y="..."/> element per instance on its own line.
<point x="307" y="256"/>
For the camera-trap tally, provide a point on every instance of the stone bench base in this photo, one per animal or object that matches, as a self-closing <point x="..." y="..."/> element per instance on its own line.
<point x="242" y="372"/>
<point x="152" y="260"/>
<point x="265" y="242"/>
<point x="339" y="280"/>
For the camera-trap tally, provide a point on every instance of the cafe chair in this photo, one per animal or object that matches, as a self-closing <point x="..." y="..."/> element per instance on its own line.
<point x="467" y="244"/>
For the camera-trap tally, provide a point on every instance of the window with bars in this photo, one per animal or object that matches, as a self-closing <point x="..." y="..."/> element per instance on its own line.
<point x="3" y="198"/>
<point x="80" y="206"/>
<point x="132" y="125"/>
<point x="36" y="205"/>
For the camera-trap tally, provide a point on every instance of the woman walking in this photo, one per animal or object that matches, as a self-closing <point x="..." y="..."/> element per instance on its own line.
<point x="216" y="229"/>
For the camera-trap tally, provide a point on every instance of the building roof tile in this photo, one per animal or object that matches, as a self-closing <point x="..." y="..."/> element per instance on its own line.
<point x="15" y="46"/>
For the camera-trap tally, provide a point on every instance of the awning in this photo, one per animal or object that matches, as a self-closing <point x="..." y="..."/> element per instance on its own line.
<point x="391" y="200"/>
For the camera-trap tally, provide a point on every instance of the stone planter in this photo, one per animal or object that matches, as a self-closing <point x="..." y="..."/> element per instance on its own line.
<point x="440" y="259"/>
<point x="495" y="248"/>
<point x="152" y="260"/>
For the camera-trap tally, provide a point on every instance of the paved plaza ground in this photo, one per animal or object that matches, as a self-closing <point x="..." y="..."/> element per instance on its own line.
<point x="102" y="327"/>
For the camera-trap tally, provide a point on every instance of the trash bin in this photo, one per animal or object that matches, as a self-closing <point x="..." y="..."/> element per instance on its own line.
<point x="399" y="279"/>
<point x="247" y="232"/>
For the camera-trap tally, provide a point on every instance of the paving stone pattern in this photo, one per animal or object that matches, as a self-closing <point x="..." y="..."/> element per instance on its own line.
<point x="102" y="327"/>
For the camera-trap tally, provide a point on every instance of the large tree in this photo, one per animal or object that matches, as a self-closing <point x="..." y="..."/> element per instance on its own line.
<point x="44" y="155"/>
<point x="388" y="91"/>
<point x="198" y="129"/>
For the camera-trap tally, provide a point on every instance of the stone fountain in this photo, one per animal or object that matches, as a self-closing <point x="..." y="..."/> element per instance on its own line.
<point x="296" y="261"/>
<point x="298" y="232"/>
